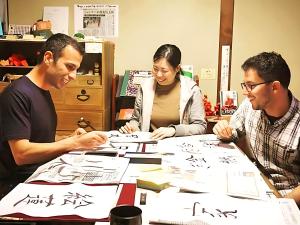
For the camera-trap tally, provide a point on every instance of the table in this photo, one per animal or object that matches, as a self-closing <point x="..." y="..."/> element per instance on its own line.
<point x="7" y="185"/>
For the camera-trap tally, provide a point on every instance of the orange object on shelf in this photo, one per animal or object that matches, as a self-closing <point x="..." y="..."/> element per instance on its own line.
<point x="207" y="107"/>
<point x="17" y="60"/>
<point x="125" y="114"/>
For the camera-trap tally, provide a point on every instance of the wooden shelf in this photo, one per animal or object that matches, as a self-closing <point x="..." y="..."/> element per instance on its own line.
<point x="87" y="97"/>
<point x="23" y="40"/>
<point x="18" y="67"/>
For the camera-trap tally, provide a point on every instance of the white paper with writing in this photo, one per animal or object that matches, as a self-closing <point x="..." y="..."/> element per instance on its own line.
<point x="88" y="169"/>
<point x="93" y="202"/>
<point x="183" y="208"/>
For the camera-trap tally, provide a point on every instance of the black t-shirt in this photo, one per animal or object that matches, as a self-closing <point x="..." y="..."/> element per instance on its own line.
<point x="26" y="112"/>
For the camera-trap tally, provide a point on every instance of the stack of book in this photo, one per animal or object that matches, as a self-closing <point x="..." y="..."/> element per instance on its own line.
<point x="132" y="80"/>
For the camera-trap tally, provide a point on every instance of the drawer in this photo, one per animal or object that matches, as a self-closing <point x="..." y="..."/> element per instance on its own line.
<point x="85" y="80"/>
<point x="92" y="97"/>
<point x="69" y="120"/>
<point x="85" y="98"/>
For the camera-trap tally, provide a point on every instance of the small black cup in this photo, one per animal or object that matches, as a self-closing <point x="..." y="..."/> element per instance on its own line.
<point x="125" y="215"/>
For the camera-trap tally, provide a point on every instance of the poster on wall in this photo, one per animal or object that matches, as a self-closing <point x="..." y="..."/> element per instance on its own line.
<point x="228" y="102"/>
<point x="59" y="17"/>
<point x="96" y="20"/>
<point x="225" y="67"/>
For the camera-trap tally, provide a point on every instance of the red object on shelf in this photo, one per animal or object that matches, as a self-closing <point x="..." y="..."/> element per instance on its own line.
<point x="17" y="60"/>
<point x="207" y="107"/>
<point x="217" y="109"/>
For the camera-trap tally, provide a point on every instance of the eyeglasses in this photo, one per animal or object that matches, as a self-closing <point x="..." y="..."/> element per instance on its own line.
<point x="250" y="87"/>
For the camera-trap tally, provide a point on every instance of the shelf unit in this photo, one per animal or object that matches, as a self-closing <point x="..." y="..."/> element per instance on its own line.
<point x="28" y="49"/>
<point x="123" y="102"/>
<point x="84" y="102"/>
<point x="119" y="102"/>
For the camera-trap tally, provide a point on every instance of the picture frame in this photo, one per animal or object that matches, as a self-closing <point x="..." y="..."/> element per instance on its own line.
<point x="228" y="102"/>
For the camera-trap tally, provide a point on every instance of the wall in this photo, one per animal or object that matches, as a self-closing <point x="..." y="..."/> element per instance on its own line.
<point x="259" y="25"/>
<point x="266" y="25"/>
<point x="144" y="25"/>
<point x="3" y="14"/>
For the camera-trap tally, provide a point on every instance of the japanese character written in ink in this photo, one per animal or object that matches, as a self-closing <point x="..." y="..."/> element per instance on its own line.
<point x="77" y="200"/>
<point x="36" y="200"/>
<point x="226" y="213"/>
<point x="123" y="135"/>
<point x="214" y="212"/>
<point x="187" y="147"/>
<point x="122" y="147"/>
<point x="113" y="135"/>
<point x="197" y="162"/>
<point x="227" y="159"/>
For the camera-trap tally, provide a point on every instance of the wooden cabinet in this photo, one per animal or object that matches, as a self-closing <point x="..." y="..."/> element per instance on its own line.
<point x="84" y="102"/>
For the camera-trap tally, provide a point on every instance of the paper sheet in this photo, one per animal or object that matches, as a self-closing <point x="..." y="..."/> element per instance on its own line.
<point x="212" y="209"/>
<point x="135" y="137"/>
<point x="59" y="17"/>
<point x="93" y="202"/>
<point x="98" y="20"/>
<point x="88" y="169"/>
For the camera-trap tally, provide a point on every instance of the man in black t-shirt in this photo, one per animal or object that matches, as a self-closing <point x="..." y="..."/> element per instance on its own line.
<point x="27" y="114"/>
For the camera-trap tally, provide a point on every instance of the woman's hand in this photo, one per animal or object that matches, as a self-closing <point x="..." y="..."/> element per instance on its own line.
<point x="127" y="129"/>
<point x="163" y="132"/>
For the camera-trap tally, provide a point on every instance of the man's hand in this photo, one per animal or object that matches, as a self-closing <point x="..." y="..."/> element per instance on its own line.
<point x="294" y="194"/>
<point x="223" y="130"/>
<point x="90" y="140"/>
<point x="79" y="131"/>
<point x="163" y="132"/>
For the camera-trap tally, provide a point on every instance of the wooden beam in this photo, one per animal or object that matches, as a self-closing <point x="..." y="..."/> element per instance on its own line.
<point x="225" y="38"/>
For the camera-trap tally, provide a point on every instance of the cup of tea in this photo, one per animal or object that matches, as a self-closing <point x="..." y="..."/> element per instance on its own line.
<point x="125" y="215"/>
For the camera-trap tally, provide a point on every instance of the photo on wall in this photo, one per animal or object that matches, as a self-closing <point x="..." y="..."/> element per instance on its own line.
<point x="228" y="102"/>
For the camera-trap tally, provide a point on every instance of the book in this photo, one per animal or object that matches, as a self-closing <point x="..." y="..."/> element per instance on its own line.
<point x="187" y="70"/>
<point x="125" y="114"/>
<point x="132" y="80"/>
<point x="119" y="86"/>
<point x="228" y="102"/>
<point x="1" y="30"/>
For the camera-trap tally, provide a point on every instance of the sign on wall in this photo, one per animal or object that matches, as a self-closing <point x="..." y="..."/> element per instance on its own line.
<point x="96" y="20"/>
<point x="225" y="67"/>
